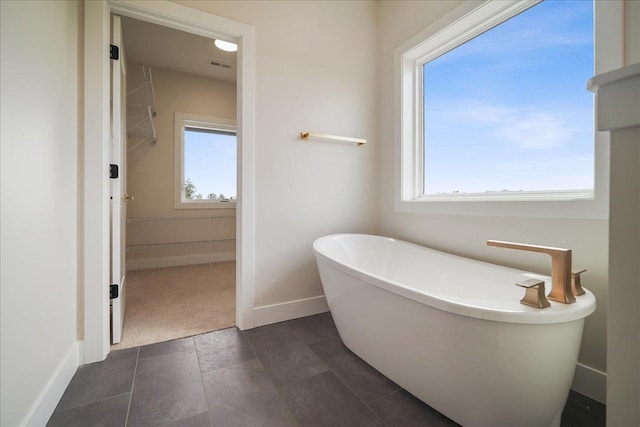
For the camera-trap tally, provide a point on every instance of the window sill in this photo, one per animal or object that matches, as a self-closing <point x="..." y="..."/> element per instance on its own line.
<point x="547" y="204"/>
<point x="555" y="196"/>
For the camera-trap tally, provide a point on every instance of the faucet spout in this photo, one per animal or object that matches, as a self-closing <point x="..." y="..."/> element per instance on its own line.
<point x="560" y="268"/>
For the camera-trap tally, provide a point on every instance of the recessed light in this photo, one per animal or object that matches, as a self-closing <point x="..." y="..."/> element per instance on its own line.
<point x="226" y="46"/>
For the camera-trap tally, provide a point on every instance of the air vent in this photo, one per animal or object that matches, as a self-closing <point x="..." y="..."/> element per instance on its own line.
<point x="219" y="64"/>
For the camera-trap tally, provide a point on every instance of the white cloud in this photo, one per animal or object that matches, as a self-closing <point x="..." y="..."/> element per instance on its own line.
<point x="536" y="131"/>
<point x="523" y="128"/>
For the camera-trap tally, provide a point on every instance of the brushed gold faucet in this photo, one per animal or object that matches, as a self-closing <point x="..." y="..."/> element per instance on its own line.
<point x="576" y="287"/>
<point x="560" y="268"/>
<point x="534" y="295"/>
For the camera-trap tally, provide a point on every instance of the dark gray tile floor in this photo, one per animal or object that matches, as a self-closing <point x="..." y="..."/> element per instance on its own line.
<point x="295" y="373"/>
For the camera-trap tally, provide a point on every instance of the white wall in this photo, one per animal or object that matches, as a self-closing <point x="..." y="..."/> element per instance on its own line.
<point x="315" y="71"/>
<point x="467" y="235"/>
<point x="623" y="346"/>
<point x="150" y="174"/>
<point x="623" y="389"/>
<point x="632" y="32"/>
<point x="39" y="92"/>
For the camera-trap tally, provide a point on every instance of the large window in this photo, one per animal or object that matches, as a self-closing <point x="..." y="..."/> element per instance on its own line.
<point x="508" y="111"/>
<point x="205" y="162"/>
<point x="494" y="109"/>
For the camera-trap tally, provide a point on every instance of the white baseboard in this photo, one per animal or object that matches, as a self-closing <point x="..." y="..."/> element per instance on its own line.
<point x="268" y="314"/>
<point x="144" y="263"/>
<point x="48" y="399"/>
<point x="591" y="383"/>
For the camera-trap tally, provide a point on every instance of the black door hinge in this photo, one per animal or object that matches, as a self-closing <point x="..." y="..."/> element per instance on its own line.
<point x="113" y="171"/>
<point x="113" y="291"/>
<point x="114" y="52"/>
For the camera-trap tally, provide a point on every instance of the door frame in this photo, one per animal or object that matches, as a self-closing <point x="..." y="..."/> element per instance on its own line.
<point x="95" y="262"/>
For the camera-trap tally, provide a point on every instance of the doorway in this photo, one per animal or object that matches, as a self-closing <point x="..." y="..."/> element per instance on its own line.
<point x="96" y="136"/>
<point x="180" y="171"/>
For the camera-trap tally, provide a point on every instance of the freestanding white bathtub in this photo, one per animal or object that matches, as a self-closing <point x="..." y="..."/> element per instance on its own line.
<point x="451" y="330"/>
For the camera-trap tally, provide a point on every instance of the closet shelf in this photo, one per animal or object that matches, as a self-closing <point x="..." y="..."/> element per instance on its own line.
<point x="141" y="108"/>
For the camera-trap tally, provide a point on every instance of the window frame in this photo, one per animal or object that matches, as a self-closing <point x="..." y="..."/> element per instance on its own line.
<point x="187" y="120"/>
<point x="452" y="30"/>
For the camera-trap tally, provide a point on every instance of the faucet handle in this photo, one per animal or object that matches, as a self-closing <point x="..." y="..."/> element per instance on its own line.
<point x="534" y="293"/>
<point x="576" y="288"/>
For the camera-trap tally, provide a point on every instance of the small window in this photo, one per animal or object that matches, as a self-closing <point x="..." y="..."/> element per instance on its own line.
<point x="205" y="162"/>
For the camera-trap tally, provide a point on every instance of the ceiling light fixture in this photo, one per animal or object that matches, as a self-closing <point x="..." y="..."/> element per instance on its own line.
<point x="226" y="46"/>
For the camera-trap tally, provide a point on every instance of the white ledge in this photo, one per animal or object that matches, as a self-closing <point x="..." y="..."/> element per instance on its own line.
<point x="618" y="98"/>
<point x="614" y="76"/>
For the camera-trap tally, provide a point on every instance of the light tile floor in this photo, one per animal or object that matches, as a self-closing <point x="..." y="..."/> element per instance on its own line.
<point x="292" y="373"/>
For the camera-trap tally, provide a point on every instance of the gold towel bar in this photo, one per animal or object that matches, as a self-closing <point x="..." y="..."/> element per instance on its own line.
<point x="307" y="135"/>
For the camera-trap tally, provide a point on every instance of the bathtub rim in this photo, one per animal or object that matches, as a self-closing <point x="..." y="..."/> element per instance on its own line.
<point x="557" y="313"/>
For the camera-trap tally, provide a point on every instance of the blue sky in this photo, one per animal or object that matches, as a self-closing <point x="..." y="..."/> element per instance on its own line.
<point x="509" y="110"/>
<point x="210" y="163"/>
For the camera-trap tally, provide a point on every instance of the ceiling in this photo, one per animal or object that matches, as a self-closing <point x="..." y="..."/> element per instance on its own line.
<point x="163" y="47"/>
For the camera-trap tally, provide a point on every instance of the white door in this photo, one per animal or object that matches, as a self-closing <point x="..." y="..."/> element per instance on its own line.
<point x="118" y="185"/>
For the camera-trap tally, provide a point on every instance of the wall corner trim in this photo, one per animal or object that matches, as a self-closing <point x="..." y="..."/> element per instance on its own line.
<point x="52" y="392"/>
<point x="268" y="314"/>
<point x="591" y="383"/>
